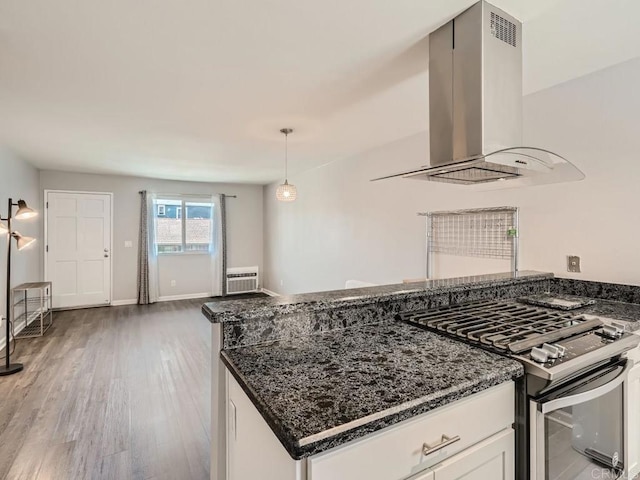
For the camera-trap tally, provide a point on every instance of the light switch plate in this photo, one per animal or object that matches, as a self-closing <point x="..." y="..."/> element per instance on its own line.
<point x="573" y="263"/>
<point x="128" y="244"/>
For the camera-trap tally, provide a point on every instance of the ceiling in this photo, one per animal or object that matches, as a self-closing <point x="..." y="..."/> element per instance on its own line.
<point x="198" y="90"/>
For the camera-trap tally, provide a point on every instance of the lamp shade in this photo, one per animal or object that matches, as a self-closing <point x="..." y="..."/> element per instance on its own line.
<point x="24" y="211"/>
<point x="286" y="192"/>
<point x="3" y="228"/>
<point x="22" y="241"/>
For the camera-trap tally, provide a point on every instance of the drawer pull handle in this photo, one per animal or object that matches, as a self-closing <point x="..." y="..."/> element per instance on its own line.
<point x="444" y="442"/>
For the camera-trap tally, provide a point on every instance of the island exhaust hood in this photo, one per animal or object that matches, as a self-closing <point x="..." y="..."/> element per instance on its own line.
<point x="475" y="107"/>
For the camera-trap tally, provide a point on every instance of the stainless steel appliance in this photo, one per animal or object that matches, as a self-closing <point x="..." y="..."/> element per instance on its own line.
<point x="569" y="404"/>
<point x="475" y="106"/>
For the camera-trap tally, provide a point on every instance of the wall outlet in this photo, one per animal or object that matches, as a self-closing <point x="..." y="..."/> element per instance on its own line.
<point x="173" y="283"/>
<point x="573" y="263"/>
<point x="282" y="283"/>
<point x="128" y="244"/>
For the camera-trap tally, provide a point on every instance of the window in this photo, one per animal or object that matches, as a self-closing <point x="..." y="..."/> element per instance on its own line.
<point x="188" y="233"/>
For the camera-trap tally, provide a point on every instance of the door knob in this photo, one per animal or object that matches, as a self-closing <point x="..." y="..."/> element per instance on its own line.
<point x="106" y="256"/>
<point x="106" y="250"/>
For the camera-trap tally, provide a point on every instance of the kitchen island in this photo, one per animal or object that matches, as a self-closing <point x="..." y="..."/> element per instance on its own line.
<point x="330" y="386"/>
<point x="237" y="324"/>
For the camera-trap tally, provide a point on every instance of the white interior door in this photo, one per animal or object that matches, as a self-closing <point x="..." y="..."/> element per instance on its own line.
<point x="78" y="250"/>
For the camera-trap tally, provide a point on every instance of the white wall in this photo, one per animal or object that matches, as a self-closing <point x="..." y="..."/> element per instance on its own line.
<point x="192" y="275"/>
<point x="345" y="227"/>
<point x="18" y="180"/>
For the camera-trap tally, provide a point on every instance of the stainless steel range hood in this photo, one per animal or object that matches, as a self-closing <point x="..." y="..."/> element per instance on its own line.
<point x="475" y="106"/>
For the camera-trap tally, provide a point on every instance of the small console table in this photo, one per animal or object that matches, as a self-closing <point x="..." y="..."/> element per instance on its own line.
<point x="31" y="304"/>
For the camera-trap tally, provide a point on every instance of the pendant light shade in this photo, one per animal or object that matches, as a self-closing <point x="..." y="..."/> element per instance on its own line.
<point x="3" y="228"/>
<point x="285" y="191"/>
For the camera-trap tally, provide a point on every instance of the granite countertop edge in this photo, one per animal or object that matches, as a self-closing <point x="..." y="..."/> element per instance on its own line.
<point x="252" y="310"/>
<point x="323" y="441"/>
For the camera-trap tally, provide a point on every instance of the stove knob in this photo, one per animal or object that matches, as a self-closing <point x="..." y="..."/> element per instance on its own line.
<point x="552" y="350"/>
<point x="562" y="351"/>
<point x="612" y="331"/>
<point x="621" y="328"/>
<point x="539" y="355"/>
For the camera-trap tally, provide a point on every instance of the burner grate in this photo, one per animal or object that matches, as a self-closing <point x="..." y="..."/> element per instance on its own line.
<point x="504" y="326"/>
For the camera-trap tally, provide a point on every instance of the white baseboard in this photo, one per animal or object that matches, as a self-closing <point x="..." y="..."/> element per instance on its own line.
<point x="269" y="292"/>
<point x="166" y="298"/>
<point x="117" y="303"/>
<point x="188" y="296"/>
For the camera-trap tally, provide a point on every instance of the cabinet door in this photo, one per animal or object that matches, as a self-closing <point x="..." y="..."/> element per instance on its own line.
<point x="491" y="459"/>
<point x="632" y="412"/>
<point x="428" y="475"/>
<point x="254" y="452"/>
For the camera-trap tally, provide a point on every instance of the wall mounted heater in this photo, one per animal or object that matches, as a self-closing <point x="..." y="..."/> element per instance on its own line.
<point x="242" y="280"/>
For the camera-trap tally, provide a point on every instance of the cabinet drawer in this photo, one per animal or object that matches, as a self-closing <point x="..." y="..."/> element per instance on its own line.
<point x="492" y="458"/>
<point x="397" y="452"/>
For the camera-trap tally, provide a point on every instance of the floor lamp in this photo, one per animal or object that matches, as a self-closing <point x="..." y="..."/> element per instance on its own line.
<point x="21" y="242"/>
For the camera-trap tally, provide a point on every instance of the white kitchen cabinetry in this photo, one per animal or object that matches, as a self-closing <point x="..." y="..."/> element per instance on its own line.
<point x="485" y="448"/>
<point x="632" y="416"/>
<point x="491" y="459"/>
<point x="428" y="475"/>
<point x="253" y="450"/>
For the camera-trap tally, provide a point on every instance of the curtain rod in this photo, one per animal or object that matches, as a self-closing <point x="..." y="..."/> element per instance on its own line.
<point x="199" y="195"/>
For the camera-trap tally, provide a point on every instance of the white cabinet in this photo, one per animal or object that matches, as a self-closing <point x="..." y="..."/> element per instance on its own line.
<point x="428" y="475"/>
<point x="485" y="448"/>
<point x="253" y="450"/>
<point x="491" y="459"/>
<point x="632" y="415"/>
<point x="397" y="452"/>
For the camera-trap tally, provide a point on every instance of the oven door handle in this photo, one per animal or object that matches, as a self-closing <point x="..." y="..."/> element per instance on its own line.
<point x="562" y="402"/>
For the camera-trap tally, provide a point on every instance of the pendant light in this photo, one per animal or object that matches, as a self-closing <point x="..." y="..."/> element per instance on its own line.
<point x="286" y="192"/>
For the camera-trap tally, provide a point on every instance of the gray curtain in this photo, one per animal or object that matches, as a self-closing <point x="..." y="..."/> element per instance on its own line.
<point x="143" y="252"/>
<point x="223" y="249"/>
<point x="147" y="254"/>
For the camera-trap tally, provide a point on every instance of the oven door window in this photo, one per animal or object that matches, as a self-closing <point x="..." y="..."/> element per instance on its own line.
<point x="583" y="437"/>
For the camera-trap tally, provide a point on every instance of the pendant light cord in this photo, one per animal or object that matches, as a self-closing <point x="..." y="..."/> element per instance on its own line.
<point x="286" y="132"/>
<point x="286" y="156"/>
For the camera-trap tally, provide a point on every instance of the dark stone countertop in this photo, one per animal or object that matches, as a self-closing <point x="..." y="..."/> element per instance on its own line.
<point x="614" y="301"/>
<point x="626" y="313"/>
<point x="241" y="310"/>
<point x="616" y="292"/>
<point x="320" y="391"/>
<point x="622" y="312"/>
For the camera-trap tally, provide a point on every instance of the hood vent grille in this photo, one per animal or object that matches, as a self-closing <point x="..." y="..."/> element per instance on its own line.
<point x="503" y="29"/>
<point x="474" y="174"/>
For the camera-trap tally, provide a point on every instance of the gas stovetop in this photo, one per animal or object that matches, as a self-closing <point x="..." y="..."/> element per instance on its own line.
<point x="551" y="344"/>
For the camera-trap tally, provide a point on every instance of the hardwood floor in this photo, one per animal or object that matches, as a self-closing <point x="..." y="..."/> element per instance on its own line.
<point x="111" y="393"/>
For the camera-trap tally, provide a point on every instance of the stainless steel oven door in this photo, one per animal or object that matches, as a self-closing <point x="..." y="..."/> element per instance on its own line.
<point x="577" y="430"/>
